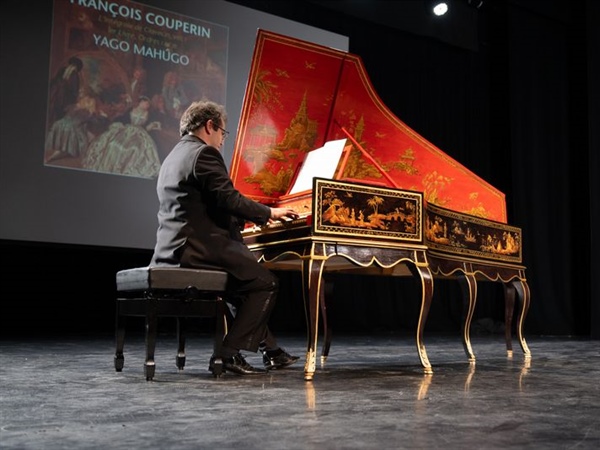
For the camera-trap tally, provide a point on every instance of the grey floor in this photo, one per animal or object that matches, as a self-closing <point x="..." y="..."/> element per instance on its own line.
<point x="63" y="393"/>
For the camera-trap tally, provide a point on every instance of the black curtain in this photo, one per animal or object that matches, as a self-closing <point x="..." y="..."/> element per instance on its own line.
<point x="593" y="96"/>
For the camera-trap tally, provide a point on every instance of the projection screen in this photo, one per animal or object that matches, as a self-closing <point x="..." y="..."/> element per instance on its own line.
<point x="83" y="81"/>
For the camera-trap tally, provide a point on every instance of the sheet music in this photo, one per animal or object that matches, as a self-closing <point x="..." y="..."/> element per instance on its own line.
<point x="321" y="163"/>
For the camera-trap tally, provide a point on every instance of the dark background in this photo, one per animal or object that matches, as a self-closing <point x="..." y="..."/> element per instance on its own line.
<point x="510" y="89"/>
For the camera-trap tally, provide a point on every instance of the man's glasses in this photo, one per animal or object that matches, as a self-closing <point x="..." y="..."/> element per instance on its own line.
<point x="223" y="131"/>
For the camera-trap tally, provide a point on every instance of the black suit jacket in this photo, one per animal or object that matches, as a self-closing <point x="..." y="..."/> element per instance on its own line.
<point x="200" y="212"/>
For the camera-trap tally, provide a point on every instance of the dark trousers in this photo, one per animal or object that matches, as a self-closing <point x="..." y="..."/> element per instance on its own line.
<point x="253" y="301"/>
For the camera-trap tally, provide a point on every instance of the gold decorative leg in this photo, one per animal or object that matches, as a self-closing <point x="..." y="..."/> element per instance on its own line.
<point x="524" y="296"/>
<point x="426" y="296"/>
<point x="468" y="284"/>
<point x="311" y="276"/>
<point x="310" y="365"/>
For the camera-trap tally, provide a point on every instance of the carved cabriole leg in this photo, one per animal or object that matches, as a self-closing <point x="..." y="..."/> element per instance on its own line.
<point x="312" y="269"/>
<point x="468" y="284"/>
<point x="426" y="296"/>
<point x="151" y="329"/>
<point x="522" y="289"/>
<point x="326" y="293"/>
<point x="509" y="308"/>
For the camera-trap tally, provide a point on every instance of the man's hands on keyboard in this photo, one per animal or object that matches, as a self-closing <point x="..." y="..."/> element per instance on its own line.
<point x="283" y="214"/>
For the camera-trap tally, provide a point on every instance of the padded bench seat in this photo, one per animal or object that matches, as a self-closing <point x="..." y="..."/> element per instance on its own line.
<point x="154" y="292"/>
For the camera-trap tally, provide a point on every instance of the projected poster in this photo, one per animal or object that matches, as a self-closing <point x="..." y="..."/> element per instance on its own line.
<point x="121" y="74"/>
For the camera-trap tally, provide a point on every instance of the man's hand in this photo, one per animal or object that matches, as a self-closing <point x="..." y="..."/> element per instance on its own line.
<point x="283" y="213"/>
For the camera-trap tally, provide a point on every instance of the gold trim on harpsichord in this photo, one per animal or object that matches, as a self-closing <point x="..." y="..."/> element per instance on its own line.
<point x="442" y="264"/>
<point x="343" y="256"/>
<point x="370" y="212"/>
<point x="464" y="235"/>
<point x="271" y="243"/>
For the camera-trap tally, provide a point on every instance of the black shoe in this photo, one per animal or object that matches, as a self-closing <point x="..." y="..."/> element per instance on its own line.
<point x="236" y="364"/>
<point x="278" y="359"/>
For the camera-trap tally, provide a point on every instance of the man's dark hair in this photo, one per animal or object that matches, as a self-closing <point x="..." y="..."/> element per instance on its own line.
<point x="199" y="113"/>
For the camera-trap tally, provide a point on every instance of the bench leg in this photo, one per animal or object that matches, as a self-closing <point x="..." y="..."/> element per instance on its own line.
<point x="220" y="332"/>
<point x="149" y="306"/>
<point x="151" y="331"/>
<point x="120" y="323"/>
<point x="180" y="358"/>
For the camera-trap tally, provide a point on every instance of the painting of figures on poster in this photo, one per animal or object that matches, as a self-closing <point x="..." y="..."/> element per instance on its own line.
<point x="121" y="74"/>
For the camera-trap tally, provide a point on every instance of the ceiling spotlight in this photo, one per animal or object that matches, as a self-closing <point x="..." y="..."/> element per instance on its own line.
<point x="440" y="8"/>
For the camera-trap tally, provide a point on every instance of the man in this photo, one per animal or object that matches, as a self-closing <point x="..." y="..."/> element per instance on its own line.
<point x="199" y="226"/>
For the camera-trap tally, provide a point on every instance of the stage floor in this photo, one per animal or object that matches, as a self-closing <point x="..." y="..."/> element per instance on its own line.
<point x="64" y="393"/>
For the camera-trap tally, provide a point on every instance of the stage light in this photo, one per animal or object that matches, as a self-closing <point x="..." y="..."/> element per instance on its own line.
<point x="439" y="8"/>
